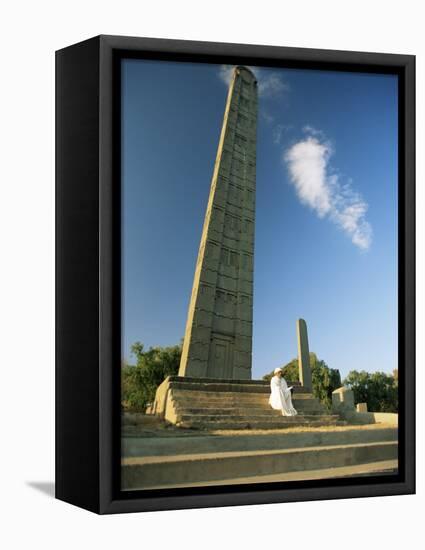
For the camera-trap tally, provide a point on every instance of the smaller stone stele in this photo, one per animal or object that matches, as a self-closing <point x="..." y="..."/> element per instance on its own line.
<point x="361" y="407"/>
<point x="343" y="400"/>
<point x="303" y="355"/>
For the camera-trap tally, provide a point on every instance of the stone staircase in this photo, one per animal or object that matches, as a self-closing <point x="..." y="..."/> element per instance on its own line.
<point x="219" y="432"/>
<point x="171" y="457"/>
<point x="213" y="404"/>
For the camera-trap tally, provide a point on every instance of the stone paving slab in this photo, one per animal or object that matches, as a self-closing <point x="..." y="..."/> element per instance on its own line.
<point x="383" y="467"/>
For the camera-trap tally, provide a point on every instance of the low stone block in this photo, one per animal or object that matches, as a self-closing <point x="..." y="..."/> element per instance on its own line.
<point x="342" y="399"/>
<point x="361" y="407"/>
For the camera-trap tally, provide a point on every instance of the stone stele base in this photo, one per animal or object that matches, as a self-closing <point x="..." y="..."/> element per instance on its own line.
<point x="208" y="403"/>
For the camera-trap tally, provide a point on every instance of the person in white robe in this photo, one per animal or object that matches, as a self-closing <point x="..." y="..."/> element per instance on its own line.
<point x="280" y="397"/>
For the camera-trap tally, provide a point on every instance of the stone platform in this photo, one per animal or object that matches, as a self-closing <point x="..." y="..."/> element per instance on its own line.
<point x="216" y="404"/>
<point x="213" y="432"/>
<point x="157" y="456"/>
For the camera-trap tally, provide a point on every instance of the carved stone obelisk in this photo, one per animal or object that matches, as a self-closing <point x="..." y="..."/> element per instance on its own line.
<point x="303" y="354"/>
<point x="218" y="337"/>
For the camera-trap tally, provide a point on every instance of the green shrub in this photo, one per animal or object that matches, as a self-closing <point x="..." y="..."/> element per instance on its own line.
<point x="378" y="389"/>
<point x="139" y="382"/>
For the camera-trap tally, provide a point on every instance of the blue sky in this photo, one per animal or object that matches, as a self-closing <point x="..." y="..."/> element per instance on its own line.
<point x="326" y="211"/>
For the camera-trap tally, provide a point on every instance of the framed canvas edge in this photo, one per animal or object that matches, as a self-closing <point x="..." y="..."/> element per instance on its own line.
<point x="109" y="499"/>
<point x="76" y="274"/>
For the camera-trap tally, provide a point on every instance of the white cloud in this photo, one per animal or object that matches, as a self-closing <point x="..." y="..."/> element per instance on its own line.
<point x="270" y="84"/>
<point x="323" y="191"/>
<point x="266" y="116"/>
<point x="225" y="73"/>
<point x="278" y="132"/>
<point x="307" y="129"/>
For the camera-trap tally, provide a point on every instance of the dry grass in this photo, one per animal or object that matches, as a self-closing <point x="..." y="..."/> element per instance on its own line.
<point x="150" y="426"/>
<point x="302" y="429"/>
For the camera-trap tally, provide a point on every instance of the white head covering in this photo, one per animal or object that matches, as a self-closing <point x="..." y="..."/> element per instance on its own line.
<point x="277" y="370"/>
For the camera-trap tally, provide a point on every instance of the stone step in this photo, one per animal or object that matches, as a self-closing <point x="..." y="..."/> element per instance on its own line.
<point x="224" y="381"/>
<point x="233" y="387"/>
<point x="233" y="396"/>
<point x="241" y="411"/>
<point x="379" y="468"/>
<point x="257" y="418"/>
<point x="246" y="399"/>
<point x="160" y="471"/>
<point x="270" y="424"/>
<point x="231" y="408"/>
<point x="180" y="442"/>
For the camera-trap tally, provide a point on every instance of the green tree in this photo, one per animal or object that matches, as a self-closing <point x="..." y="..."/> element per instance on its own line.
<point x="289" y="371"/>
<point x="378" y="389"/>
<point x="324" y="379"/>
<point x="139" y="382"/>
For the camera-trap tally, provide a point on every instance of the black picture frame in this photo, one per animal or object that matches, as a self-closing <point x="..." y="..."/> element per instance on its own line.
<point x="88" y="274"/>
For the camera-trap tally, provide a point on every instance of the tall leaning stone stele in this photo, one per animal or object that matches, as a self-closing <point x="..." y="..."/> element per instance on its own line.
<point x="218" y="337"/>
